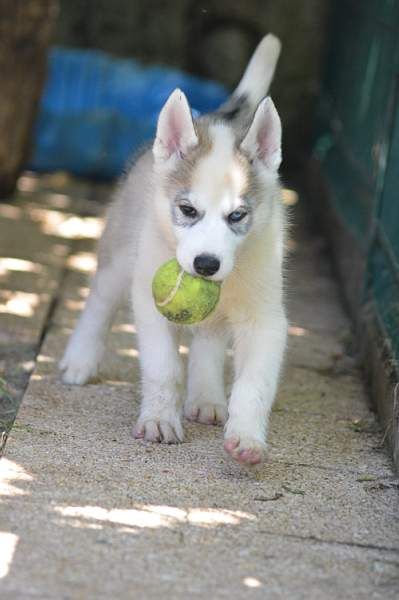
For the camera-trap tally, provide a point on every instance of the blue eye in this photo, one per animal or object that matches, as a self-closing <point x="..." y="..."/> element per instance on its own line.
<point x="236" y="216"/>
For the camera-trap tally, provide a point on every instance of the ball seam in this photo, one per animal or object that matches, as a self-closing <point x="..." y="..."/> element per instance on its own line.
<point x="173" y="292"/>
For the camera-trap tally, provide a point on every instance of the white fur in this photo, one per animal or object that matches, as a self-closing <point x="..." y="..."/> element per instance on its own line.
<point x="259" y="73"/>
<point x="140" y="236"/>
<point x="216" y="188"/>
<point x="263" y="140"/>
<point x="175" y="131"/>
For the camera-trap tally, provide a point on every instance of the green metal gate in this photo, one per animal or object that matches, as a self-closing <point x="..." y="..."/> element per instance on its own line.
<point x="358" y="147"/>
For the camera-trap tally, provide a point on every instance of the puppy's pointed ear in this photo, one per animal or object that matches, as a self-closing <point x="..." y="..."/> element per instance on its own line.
<point x="175" y="129"/>
<point x="263" y="140"/>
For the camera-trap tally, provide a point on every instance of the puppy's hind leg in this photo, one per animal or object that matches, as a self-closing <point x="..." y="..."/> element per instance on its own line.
<point x="86" y="344"/>
<point x="206" y="399"/>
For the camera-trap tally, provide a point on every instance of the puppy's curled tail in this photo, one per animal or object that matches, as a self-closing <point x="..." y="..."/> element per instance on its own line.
<point x="254" y="84"/>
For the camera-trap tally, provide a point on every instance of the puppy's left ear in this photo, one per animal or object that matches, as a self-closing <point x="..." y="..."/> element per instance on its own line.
<point x="175" y="129"/>
<point x="263" y="140"/>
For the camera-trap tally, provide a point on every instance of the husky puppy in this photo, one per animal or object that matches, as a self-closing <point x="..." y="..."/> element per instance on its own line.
<point x="208" y="194"/>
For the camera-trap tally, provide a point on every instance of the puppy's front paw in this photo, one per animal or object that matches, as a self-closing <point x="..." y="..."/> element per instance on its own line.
<point x="208" y="413"/>
<point x="78" y="368"/>
<point x="245" y="450"/>
<point x="159" y="430"/>
<point x="245" y="446"/>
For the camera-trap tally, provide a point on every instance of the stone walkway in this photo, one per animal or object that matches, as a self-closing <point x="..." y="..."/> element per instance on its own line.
<point x="87" y="512"/>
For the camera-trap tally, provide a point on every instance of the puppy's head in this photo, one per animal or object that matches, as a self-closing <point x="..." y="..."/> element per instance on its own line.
<point x="214" y="190"/>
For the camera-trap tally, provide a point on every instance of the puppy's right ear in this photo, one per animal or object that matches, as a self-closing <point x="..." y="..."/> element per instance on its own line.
<point x="175" y="130"/>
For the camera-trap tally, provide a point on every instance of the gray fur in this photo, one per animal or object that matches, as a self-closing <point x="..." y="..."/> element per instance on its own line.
<point x="242" y="227"/>
<point x="178" y="217"/>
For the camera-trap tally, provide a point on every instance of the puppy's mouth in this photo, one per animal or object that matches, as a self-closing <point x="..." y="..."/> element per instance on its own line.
<point x="216" y="278"/>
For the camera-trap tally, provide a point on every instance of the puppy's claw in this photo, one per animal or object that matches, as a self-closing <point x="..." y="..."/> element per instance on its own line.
<point x="231" y="444"/>
<point x="192" y="415"/>
<point x="159" y="431"/>
<point x="138" y="432"/>
<point x="207" y="413"/>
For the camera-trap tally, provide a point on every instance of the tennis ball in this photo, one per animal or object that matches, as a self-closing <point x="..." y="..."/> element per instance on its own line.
<point x="182" y="298"/>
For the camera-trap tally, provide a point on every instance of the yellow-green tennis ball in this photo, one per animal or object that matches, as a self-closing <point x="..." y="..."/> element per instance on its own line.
<point x="182" y="298"/>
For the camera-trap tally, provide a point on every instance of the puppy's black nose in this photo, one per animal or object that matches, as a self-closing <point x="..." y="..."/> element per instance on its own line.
<point x="206" y="264"/>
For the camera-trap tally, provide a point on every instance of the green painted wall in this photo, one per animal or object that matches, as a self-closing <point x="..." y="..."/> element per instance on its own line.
<point x="358" y="144"/>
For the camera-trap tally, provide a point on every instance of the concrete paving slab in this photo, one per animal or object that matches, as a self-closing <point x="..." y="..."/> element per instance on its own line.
<point x="88" y="512"/>
<point x="37" y="233"/>
<point x="318" y="500"/>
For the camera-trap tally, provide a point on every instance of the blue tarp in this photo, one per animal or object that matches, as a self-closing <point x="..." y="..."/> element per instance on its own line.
<point x="96" y="110"/>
